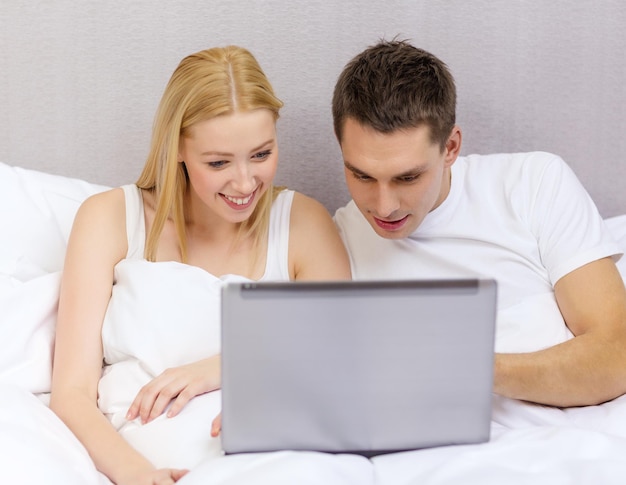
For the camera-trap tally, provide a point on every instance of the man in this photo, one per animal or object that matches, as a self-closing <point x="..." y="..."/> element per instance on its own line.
<point x="421" y="211"/>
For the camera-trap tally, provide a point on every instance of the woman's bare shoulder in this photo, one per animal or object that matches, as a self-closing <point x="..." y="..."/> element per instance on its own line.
<point x="109" y="205"/>
<point x="315" y="248"/>
<point x="101" y="220"/>
<point x="303" y="205"/>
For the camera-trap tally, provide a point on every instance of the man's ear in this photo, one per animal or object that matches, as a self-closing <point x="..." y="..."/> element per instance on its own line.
<point x="453" y="146"/>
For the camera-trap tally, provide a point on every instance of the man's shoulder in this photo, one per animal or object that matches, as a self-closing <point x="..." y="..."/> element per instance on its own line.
<point x="510" y="168"/>
<point x="347" y="211"/>
<point x="509" y="160"/>
<point x="348" y="217"/>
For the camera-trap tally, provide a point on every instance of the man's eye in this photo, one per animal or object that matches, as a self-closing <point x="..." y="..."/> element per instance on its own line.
<point x="409" y="178"/>
<point x="361" y="177"/>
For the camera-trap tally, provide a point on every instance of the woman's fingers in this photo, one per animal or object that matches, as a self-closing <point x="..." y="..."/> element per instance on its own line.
<point x="216" y="426"/>
<point x="175" y="386"/>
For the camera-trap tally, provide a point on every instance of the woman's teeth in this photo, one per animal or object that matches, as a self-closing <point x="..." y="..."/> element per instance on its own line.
<point x="239" y="201"/>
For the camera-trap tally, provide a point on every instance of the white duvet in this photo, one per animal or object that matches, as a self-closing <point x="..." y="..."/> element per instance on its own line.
<point x="161" y="315"/>
<point x="529" y="443"/>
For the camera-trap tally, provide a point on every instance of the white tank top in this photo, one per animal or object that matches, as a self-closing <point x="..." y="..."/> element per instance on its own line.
<point x="276" y="266"/>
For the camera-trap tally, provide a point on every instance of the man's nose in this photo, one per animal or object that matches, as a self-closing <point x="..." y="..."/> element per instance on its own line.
<point x="387" y="202"/>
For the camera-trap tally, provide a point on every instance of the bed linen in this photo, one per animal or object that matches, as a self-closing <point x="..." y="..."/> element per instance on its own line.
<point x="529" y="443"/>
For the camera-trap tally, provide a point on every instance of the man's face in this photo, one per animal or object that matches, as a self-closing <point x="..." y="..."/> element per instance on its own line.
<point x="396" y="179"/>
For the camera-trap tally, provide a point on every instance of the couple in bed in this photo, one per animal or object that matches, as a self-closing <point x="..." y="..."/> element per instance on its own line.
<point x="145" y="262"/>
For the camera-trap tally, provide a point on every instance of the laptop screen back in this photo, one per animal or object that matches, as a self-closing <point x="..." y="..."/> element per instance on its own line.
<point x="363" y="367"/>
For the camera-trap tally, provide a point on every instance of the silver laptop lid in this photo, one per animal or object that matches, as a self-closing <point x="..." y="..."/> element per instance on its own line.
<point x="363" y="367"/>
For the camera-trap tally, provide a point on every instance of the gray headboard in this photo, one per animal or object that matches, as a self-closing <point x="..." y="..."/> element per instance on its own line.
<point x="80" y="81"/>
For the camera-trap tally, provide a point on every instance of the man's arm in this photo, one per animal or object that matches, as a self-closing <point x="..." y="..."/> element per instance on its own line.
<point x="587" y="369"/>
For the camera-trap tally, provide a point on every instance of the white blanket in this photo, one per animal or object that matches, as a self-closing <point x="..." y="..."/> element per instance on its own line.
<point x="529" y="443"/>
<point x="535" y="445"/>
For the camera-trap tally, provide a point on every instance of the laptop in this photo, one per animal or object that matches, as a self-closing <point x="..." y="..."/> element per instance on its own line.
<point x="365" y="367"/>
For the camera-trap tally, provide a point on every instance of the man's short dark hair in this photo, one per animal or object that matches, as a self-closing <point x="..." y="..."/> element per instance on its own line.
<point x="394" y="85"/>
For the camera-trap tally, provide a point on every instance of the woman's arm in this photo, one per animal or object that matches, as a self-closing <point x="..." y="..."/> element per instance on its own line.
<point x="97" y="242"/>
<point x="316" y="251"/>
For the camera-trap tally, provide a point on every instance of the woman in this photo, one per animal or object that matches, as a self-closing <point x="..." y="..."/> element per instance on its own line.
<point x="145" y="263"/>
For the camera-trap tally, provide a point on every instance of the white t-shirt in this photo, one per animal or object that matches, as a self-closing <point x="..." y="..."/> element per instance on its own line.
<point x="523" y="219"/>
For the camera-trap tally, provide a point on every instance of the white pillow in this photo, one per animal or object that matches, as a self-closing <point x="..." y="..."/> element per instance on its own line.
<point x="36" y="218"/>
<point x="36" y="447"/>
<point x="28" y="315"/>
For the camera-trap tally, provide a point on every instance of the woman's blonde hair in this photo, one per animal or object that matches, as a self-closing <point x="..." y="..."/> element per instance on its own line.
<point x="207" y="84"/>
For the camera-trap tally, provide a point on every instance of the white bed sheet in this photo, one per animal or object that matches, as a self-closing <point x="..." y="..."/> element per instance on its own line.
<point x="530" y="443"/>
<point x="538" y="445"/>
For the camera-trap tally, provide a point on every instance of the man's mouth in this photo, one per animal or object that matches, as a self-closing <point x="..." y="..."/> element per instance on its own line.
<point x="391" y="225"/>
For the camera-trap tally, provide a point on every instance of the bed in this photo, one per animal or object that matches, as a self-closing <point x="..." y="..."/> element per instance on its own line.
<point x="79" y="86"/>
<point x="529" y="443"/>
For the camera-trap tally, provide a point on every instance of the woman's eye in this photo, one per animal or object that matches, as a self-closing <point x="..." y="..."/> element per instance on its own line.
<point x="262" y="155"/>
<point x="217" y="164"/>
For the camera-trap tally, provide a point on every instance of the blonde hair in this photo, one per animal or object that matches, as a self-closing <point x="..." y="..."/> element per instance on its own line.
<point x="206" y="84"/>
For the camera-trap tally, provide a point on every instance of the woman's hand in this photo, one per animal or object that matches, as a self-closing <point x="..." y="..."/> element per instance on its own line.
<point x="162" y="476"/>
<point x="180" y="385"/>
<point x="216" y="426"/>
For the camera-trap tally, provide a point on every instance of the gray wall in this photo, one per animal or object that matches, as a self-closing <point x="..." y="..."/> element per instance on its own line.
<point x="80" y="81"/>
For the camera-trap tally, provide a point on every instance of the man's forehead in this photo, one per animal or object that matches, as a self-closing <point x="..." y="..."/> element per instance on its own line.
<point x="360" y="137"/>
<point x="388" y="155"/>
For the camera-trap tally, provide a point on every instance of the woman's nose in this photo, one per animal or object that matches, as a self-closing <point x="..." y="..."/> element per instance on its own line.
<point x="245" y="181"/>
